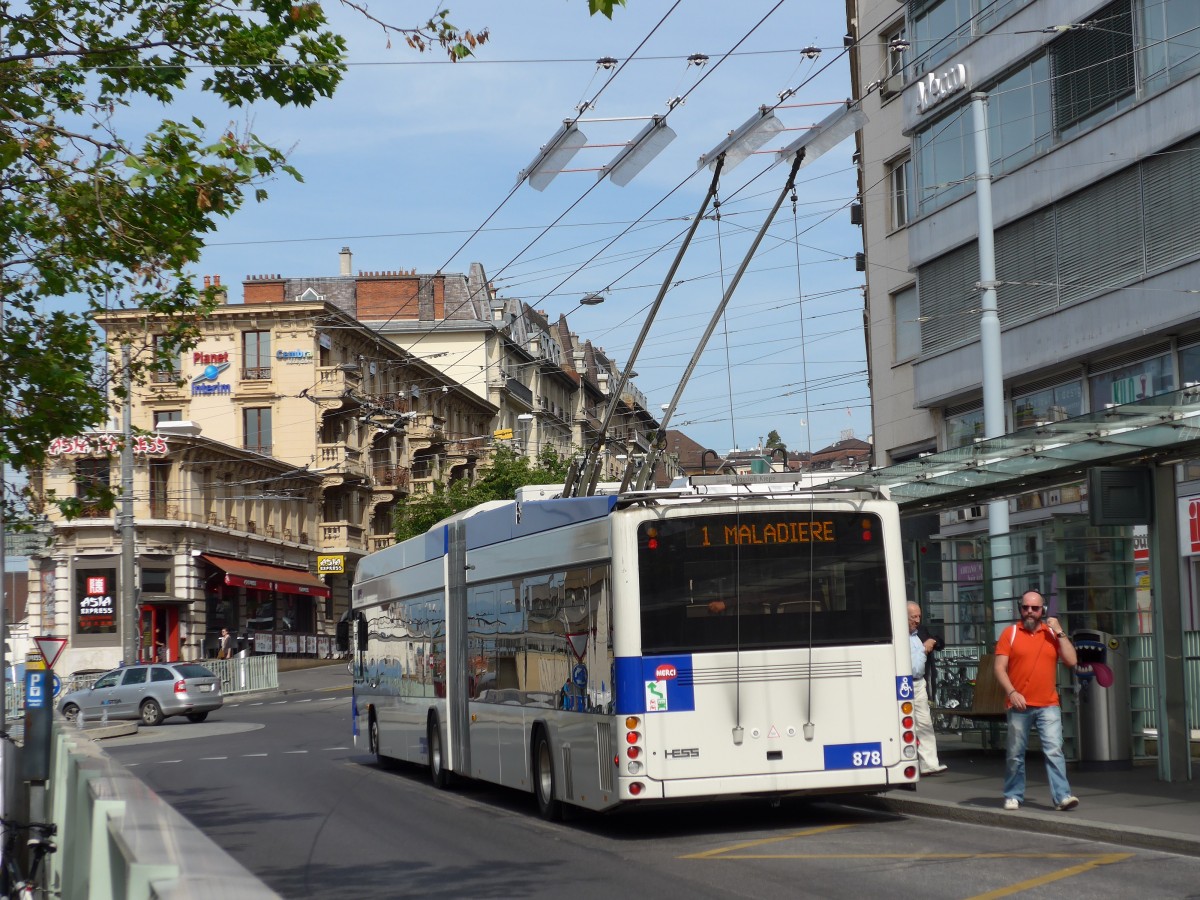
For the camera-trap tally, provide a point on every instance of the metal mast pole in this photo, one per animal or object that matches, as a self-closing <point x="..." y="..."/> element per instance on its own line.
<point x="128" y="591"/>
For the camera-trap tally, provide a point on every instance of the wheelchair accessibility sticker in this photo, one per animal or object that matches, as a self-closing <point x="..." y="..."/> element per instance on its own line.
<point x="904" y="687"/>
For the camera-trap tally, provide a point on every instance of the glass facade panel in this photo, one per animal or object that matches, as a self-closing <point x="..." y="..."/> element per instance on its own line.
<point x="1053" y="404"/>
<point x="940" y="28"/>
<point x="906" y="312"/>
<point x="1133" y="382"/>
<point x="963" y="429"/>
<point x="945" y="160"/>
<point x="1170" y="41"/>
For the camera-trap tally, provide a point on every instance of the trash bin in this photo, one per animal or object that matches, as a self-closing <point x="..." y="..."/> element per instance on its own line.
<point x="1103" y="717"/>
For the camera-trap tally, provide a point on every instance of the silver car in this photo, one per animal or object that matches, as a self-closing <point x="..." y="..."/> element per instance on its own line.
<point x="150" y="692"/>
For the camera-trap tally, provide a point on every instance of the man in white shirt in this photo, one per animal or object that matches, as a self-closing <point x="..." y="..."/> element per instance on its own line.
<point x="926" y="740"/>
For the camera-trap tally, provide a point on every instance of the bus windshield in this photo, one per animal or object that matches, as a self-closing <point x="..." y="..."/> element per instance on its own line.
<point x="762" y="580"/>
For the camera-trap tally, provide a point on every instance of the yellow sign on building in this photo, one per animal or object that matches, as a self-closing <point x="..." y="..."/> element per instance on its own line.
<point x="331" y="565"/>
<point x="503" y="434"/>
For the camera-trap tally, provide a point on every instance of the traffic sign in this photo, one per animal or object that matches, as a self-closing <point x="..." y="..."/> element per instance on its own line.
<point x="51" y="648"/>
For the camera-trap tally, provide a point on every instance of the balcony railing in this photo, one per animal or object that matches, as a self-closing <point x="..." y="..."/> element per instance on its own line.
<point x="342" y="536"/>
<point x="335" y="382"/>
<point x="341" y="459"/>
<point x="258" y="374"/>
<point x="382" y="541"/>
<point x="391" y="476"/>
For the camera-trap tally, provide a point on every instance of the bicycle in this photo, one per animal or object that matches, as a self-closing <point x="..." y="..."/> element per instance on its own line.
<point x="955" y="690"/>
<point x="38" y="845"/>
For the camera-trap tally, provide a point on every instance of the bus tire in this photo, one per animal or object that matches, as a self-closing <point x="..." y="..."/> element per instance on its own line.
<point x="385" y="762"/>
<point x="438" y="773"/>
<point x="544" y="784"/>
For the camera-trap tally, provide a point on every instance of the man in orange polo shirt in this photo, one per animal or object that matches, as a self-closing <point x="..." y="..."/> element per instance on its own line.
<point x="1027" y="656"/>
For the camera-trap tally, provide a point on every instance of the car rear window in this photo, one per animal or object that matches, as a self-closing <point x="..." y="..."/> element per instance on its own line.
<point x="160" y="674"/>
<point x="191" y="670"/>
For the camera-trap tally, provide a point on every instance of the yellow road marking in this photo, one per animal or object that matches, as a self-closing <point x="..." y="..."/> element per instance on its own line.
<point x="912" y="856"/>
<point x="1101" y="860"/>
<point x="721" y="851"/>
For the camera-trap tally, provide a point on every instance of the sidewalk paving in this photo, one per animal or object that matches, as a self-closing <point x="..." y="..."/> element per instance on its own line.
<point x="1129" y="807"/>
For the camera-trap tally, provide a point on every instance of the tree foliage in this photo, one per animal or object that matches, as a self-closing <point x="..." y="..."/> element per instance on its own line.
<point x="499" y="480"/>
<point x="774" y="441"/>
<point x="105" y="213"/>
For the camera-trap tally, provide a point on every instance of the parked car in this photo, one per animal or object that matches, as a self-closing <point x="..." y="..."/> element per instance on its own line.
<point x="150" y="692"/>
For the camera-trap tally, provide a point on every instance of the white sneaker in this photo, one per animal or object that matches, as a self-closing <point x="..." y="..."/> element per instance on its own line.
<point x="937" y="770"/>
<point x="1013" y="803"/>
<point x="1068" y="802"/>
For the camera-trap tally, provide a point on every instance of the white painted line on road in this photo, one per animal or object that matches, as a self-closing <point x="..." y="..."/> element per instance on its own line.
<point x="247" y="755"/>
<point x="278" y="702"/>
<point x="307" y="700"/>
<point x="327" y="749"/>
<point x="203" y="758"/>
<point x="167" y="762"/>
<point x="259" y="703"/>
<point x="295" y="751"/>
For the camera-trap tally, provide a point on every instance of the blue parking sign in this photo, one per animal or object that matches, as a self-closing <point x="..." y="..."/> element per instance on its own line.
<point x="37" y="689"/>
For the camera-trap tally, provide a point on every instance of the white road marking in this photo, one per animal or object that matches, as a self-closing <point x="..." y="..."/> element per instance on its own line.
<point x="204" y="758"/>
<point x="167" y="762"/>
<point x="295" y="751"/>
<point x="247" y="755"/>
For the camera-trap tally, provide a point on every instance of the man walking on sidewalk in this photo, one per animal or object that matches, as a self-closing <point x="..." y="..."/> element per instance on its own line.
<point x="921" y="648"/>
<point x="1027" y="656"/>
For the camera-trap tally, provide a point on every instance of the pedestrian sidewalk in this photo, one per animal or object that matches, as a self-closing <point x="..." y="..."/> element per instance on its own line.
<point x="1129" y="807"/>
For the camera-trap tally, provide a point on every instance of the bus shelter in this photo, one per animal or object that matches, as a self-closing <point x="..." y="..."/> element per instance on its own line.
<point x="1139" y="583"/>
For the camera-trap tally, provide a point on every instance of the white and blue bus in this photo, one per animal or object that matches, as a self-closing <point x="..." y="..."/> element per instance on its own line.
<point x="740" y="635"/>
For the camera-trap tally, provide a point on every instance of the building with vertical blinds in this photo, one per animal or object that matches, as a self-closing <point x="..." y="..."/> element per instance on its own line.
<point x="1093" y="139"/>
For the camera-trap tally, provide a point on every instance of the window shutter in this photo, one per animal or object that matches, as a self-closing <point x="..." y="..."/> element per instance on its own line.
<point x="1100" y="236"/>
<point x="949" y="300"/>
<point x="1093" y="67"/>
<point x="1171" y="186"/>
<point x="1025" y="253"/>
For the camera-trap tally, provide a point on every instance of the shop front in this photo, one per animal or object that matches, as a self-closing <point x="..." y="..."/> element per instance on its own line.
<point x="269" y="609"/>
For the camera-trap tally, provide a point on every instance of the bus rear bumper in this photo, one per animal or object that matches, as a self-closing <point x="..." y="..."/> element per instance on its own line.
<point x="796" y="783"/>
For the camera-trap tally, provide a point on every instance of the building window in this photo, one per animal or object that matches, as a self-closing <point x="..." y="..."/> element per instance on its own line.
<point x="167" y="358"/>
<point x="1052" y="404"/>
<point x="1132" y="382"/>
<point x="93" y="485"/>
<point x="899" y="181"/>
<point x="156" y="581"/>
<point x="1093" y="69"/>
<point x="1019" y="123"/>
<point x="906" y="324"/>
<point x="963" y="429"/>
<point x="167" y="415"/>
<point x="895" y="49"/>
<point x="1170" y="50"/>
<point x="160" y="476"/>
<point x="256" y="355"/>
<point x="256" y="426"/>
<point x="1189" y="365"/>
<point x="945" y="160"/>
<point x="939" y="28"/>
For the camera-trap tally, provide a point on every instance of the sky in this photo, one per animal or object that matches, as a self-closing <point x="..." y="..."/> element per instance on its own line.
<point x="414" y="154"/>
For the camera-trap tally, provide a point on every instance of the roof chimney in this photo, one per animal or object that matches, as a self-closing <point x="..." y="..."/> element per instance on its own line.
<point x="347" y="261"/>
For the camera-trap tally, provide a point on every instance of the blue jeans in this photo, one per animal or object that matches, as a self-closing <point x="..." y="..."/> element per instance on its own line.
<point x="1048" y="720"/>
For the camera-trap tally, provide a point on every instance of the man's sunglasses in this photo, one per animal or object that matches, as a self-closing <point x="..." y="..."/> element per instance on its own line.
<point x="1027" y="608"/>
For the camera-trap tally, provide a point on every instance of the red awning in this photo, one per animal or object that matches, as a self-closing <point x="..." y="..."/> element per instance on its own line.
<point x="263" y="577"/>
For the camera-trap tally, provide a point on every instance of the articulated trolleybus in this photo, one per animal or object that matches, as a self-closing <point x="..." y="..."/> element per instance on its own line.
<point x="738" y="635"/>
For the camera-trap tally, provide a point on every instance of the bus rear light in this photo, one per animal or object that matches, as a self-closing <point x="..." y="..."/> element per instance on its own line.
<point x="910" y="751"/>
<point x="632" y="722"/>
<point x="910" y="771"/>
<point x="636" y="788"/>
<point x="633" y="752"/>
<point x="906" y="707"/>
<point x="634" y="768"/>
<point x="632" y="737"/>
<point x="909" y="737"/>
<point x="617" y="760"/>
<point x="907" y="721"/>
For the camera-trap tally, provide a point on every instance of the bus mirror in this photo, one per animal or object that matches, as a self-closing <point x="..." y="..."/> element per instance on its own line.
<point x="343" y="637"/>
<point x="362" y="633"/>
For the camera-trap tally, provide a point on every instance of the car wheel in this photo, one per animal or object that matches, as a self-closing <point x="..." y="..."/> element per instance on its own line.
<point x="437" y="757"/>
<point x="152" y="713"/>
<point x="197" y="717"/>
<point x="71" y="713"/>
<point x="549" y="807"/>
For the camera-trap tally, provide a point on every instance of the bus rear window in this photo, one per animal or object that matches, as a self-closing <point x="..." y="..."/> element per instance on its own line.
<point x="762" y="580"/>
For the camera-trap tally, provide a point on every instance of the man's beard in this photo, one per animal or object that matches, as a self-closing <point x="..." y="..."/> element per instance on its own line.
<point x="1030" y="623"/>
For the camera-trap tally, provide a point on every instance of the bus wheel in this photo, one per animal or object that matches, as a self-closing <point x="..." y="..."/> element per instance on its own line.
<point x="549" y="807"/>
<point x="437" y="757"/>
